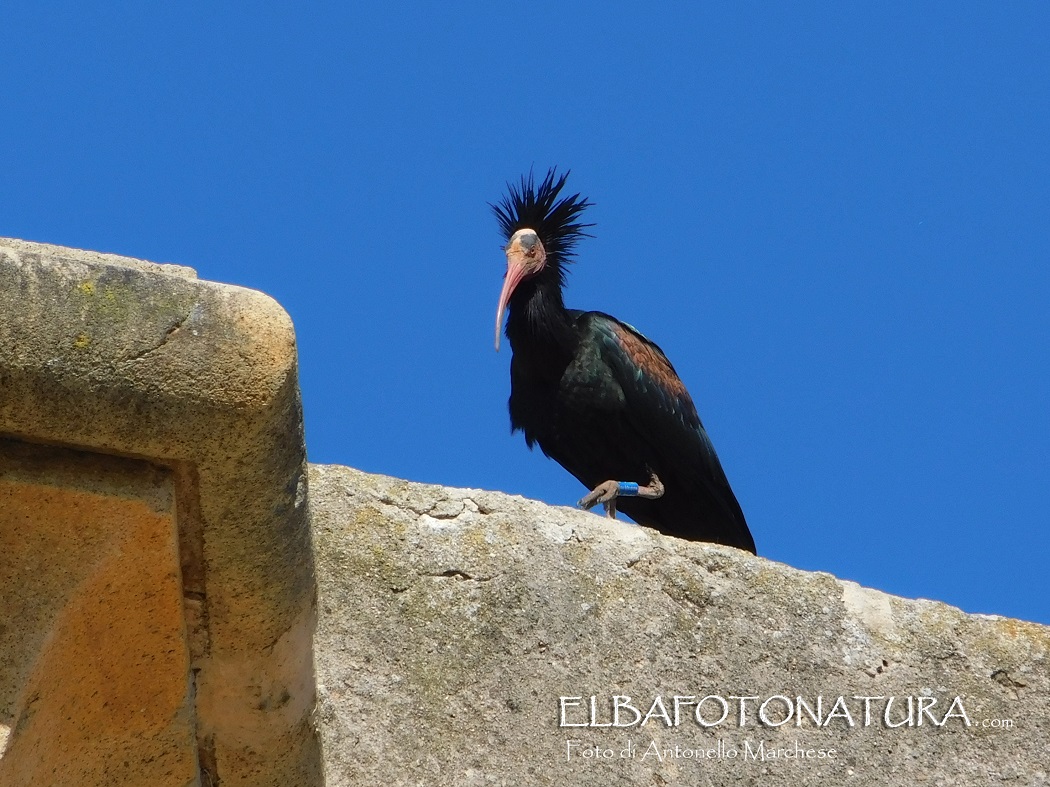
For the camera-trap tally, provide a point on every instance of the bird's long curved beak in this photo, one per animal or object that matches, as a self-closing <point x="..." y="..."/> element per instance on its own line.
<point x="516" y="271"/>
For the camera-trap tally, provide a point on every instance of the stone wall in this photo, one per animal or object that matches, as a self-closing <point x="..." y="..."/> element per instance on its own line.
<point x="453" y="620"/>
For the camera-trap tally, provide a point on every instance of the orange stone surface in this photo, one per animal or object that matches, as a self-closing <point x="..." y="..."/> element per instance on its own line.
<point x="95" y="683"/>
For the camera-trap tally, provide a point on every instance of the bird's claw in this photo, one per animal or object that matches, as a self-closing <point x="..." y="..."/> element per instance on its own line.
<point x="602" y="493"/>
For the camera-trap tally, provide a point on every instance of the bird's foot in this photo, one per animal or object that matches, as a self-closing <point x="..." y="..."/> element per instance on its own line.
<point x="607" y="492"/>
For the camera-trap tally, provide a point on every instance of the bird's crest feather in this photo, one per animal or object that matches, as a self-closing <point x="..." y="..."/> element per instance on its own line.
<point x="534" y="207"/>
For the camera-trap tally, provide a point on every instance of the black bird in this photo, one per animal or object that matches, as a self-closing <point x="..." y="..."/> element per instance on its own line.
<point x="594" y="393"/>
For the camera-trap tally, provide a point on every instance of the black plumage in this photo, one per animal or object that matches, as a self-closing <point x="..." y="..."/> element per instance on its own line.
<point x="594" y="393"/>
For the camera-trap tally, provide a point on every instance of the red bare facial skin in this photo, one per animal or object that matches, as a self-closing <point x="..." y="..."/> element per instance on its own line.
<point x="525" y="257"/>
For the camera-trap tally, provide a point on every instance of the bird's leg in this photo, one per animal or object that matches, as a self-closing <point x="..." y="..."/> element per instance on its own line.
<point x="607" y="492"/>
<point x="654" y="490"/>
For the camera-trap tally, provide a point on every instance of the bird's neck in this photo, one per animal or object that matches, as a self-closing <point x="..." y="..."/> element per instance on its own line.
<point x="537" y="319"/>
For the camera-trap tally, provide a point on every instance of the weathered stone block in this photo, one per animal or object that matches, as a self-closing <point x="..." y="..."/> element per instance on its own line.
<point x="452" y="622"/>
<point x="153" y="528"/>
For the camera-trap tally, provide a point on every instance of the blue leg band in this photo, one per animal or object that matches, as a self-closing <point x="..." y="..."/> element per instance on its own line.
<point x="628" y="489"/>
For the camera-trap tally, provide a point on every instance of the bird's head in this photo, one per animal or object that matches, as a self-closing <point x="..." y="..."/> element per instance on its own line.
<point x="526" y="257"/>
<point x="541" y="231"/>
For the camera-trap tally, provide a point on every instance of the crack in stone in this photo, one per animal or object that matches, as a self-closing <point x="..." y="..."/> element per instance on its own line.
<point x="1005" y="679"/>
<point x="440" y="510"/>
<point x="482" y="509"/>
<point x="441" y="516"/>
<point x="456" y="573"/>
<point x="417" y="510"/>
<point x="174" y="328"/>
<point x="683" y="600"/>
<point x="942" y="656"/>
<point x="631" y="563"/>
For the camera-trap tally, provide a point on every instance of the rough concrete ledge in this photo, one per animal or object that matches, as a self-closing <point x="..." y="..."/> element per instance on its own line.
<point x="453" y="620"/>
<point x="30" y="250"/>
<point x="188" y="390"/>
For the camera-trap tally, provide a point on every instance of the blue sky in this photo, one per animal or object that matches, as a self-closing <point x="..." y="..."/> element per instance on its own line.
<point x="833" y="219"/>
